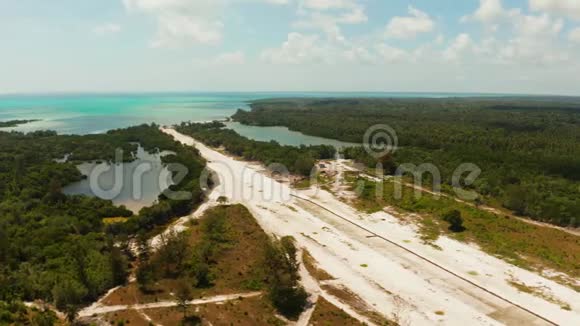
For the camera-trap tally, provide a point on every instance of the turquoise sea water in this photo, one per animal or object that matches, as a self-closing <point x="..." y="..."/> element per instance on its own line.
<point x="85" y="114"/>
<point x="89" y="113"/>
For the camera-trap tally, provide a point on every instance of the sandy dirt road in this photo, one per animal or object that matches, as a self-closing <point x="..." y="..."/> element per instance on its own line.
<point x="98" y="309"/>
<point x="377" y="270"/>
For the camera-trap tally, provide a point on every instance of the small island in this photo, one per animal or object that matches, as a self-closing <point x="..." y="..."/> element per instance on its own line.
<point x="15" y="123"/>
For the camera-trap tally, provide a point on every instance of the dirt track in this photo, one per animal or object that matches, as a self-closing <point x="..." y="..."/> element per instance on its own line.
<point x="379" y="271"/>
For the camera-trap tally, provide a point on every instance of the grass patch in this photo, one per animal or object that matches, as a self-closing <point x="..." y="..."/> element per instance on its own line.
<point x="302" y="184"/>
<point x="239" y="266"/>
<point x="538" y="292"/>
<point x="364" y="265"/>
<point x="326" y="313"/>
<point x="16" y="313"/>
<point x="357" y="304"/>
<point x="522" y="244"/>
<point x="244" y="312"/>
<point x="292" y="208"/>
<point x="125" y="317"/>
<point x="473" y="273"/>
<point x="114" y="220"/>
<point x="430" y="230"/>
<point x="237" y="247"/>
<point x="440" y="312"/>
<point x="311" y="266"/>
<point x="225" y="252"/>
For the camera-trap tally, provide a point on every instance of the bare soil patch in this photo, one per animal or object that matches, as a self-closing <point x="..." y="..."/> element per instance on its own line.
<point x="125" y="317"/>
<point x="312" y="267"/>
<point x="328" y="314"/>
<point x="356" y="303"/>
<point x="244" y="312"/>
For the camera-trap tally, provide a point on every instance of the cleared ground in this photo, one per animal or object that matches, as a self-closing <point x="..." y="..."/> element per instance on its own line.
<point x="238" y="267"/>
<point x="385" y="276"/>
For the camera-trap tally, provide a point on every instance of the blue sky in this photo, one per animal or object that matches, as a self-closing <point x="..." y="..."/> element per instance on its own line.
<point x="515" y="46"/>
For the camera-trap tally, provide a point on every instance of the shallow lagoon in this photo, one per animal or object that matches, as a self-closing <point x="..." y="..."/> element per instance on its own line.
<point x="135" y="184"/>
<point x="283" y="136"/>
<point x="89" y="114"/>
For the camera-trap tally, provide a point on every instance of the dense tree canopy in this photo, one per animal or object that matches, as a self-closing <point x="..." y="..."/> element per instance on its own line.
<point x="299" y="160"/>
<point x="14" y="123"/>
<point x="56" y="247"/>
<point x="527" y="148"/>
<point x="16" y="313"/>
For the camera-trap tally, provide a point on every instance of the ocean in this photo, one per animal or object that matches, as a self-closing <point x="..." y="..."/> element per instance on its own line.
<point x="97" y="113"/>
<point x="91" y="114"/>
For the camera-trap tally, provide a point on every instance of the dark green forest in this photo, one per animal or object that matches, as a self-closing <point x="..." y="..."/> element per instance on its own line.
<point x="527" y="148"/>
<point x="16" y="313"/>
<point x="298" y="160"/>
<point x="14" y="123"/>
<point x="55" y="247"/>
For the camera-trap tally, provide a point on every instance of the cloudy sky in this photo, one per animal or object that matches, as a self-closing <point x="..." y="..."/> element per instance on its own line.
<point x="506" y="46"/>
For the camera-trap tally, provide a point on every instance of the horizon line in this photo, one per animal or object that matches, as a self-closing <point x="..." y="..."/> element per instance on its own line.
<point x="185" y="92"/>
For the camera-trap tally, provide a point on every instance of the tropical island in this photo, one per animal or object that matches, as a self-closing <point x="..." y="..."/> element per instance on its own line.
<point x="15" y="123"/>
<point x="290" y="163"/>
<point x="276" y="234"/>
<point x="527" y="148"/>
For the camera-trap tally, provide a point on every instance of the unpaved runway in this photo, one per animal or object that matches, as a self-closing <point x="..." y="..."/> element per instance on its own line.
<point x="379" y="271"/>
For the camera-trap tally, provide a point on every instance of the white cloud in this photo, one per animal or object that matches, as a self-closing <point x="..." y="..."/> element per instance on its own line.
<point x="526" y="39"/>
<point x="300" y="49"/>
<point x="410" y="26"/>
<point x="574" y="35"/>
<point x="460" y="46"/>
<point x="230" y="58"/>
<point x="359" y="54"/>
<point x="277" y="2"/>
<point x="330" y="23"/>
<point x="297" y="49"/>
<point x="537" y="26"/>
<point x="329" y="15"/>
<point x="356" y="16"/>
<point x="107" y="28"/>
<point x="569" y="8"/>
<point x="202" y="21"/>
<point x="489" y="12"/>
<point x="328" y="4"/>
<point x="182" y="21"/>
<point x="493" y="15"/>
<point x="391" y="54"/>
<point x="528" y="52"/>
<point x="522" y="50"/>
<point x="535" y="41"/>
<point x="176" y="29"/>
